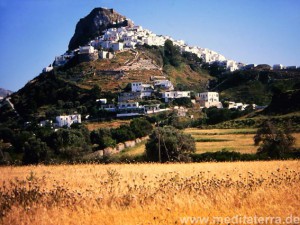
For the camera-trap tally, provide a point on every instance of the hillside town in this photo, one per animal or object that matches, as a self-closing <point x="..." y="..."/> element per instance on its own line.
<point x="125" y="38"/>
<point x="114" y="40"/>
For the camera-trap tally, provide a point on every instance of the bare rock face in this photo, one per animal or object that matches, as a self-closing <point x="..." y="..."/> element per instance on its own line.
<point x="94" y="24"/>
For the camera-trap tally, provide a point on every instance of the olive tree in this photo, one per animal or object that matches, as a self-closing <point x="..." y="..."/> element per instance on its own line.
<point x="169" y="144"/>
<point x="274" y="142"/>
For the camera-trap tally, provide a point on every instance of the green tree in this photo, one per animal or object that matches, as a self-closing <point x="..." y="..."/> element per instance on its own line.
<point x="123" y="133"/>
<point x="185" y="101"/>
<point x="169" y="144"/>
<point x="35" y="151"/>
<point x="141" y="127"/>
<point x="274" y="142"/>
<point x="95" y="92"/>
<point x="103" y="138"/>
<point x="171" y="54"/>
<point x="69" y="143"/>
<point x="6" y="134"/>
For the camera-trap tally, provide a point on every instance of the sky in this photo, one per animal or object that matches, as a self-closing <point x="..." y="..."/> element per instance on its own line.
<point x="33" y="32"/>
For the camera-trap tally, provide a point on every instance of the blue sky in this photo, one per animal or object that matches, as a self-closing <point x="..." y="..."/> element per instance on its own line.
<point x="33" y="32"/>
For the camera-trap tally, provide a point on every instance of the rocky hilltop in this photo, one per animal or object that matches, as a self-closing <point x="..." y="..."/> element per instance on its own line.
<point x="4" y="93"/>
<point x="94" y="24"/>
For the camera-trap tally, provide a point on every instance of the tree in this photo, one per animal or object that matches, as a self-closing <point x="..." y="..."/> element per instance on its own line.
<point x="69" y="142"/>
<point x="123" y="133"/>
<point x="6" y="134"/>
<point x="103" y="138"/>
<point x="171" y="54"/>
<point x="95" y="92"/>
<point x="169" y="144"/>
<point x="274" y="142"/>
<point x="185" y="101"/>
<point x="141" y="127"/>
<point x="35" y="151"/>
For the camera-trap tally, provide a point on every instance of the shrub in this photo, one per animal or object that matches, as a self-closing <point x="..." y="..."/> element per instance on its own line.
<point x="141" y="127"/>
<point x="169" y="144"/>
<point x="274" y="142"/>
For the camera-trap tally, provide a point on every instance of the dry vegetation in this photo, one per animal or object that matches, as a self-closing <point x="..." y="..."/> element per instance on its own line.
<point x="238" y="140"/>
<point x="108" y="124"/>
<point x="147" y="193"/>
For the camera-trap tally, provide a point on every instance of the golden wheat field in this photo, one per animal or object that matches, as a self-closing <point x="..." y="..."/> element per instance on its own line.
<point x="149" y="193"/>
<point x="238" y="140"/>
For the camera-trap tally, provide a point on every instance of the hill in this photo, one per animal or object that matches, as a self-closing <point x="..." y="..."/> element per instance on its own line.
<point x="256" y="85"/>
<point x="94" y="24"/>
<point x="4" y="92"/>
<point x="284" y="102"/>
<point x="74" y="86"/>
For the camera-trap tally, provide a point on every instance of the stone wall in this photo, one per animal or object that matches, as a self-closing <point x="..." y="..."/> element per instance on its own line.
<point x="110" y="151"/>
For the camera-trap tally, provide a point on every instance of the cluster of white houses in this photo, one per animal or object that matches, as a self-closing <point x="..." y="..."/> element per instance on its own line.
<point x="118" y="39"/>
<point x="129" y="37"/>
<point x="129" y="103"/>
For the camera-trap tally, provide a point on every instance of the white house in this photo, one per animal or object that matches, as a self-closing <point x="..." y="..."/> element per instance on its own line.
<point x="128" y="105"/>
<point x="129" y="109"/>
<point x="278" y="67"/>
<point x="102" y="100"/>
<point x="166" y="84"/>
<point x="48" y="69"/>
<point x="117" y="46"/>
<point x="150" y="109"/>
<point x="209" y="99"/>
<point x="108" y="107"/>
<point x="86" y="50"/>
<point x="140" y="87"/>
<point x="105" y="55"/>
<point x="238" y="105"/>
<point x="136" y="86"/>
<point x="61" y="60"/>
<point x="68" y="120"/>
<point x="175" y="94"/>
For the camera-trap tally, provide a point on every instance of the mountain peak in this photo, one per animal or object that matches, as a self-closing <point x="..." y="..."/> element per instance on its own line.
<point x="91" y="26"/>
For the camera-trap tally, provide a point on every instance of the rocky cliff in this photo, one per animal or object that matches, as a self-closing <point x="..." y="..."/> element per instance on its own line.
<point x="94" y="24"/>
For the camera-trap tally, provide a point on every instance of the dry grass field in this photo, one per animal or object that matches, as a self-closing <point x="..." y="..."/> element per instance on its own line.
<point x="148" y="193"/>
<point x="238" y="140"/>
<point x="107" y="124"/>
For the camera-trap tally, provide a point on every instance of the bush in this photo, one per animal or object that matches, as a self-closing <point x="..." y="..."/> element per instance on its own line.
<point x="123" y="133"/>
<point x="35" y="151"/>
<point x="103" y="138"/>
<point x="274" y="142"/>
<point x="169" y="144"/>
<point x="141" y="127"/>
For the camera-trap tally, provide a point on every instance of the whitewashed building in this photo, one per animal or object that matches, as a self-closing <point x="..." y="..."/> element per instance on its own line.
<point x="117" y="46"/>
<point x="175" y="94"/>
<point x="86" y="50"/>
<point x="278" y="67"/>
<point x="68" y="120"/>
<point x="105" y="55"/>
<point x="48" y="69"/>
<point x="165" y="84"/>
<point x="209" y="99"/>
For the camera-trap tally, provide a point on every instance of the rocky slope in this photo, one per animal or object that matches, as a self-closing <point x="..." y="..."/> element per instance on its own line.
<point x="93" y="24"/>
